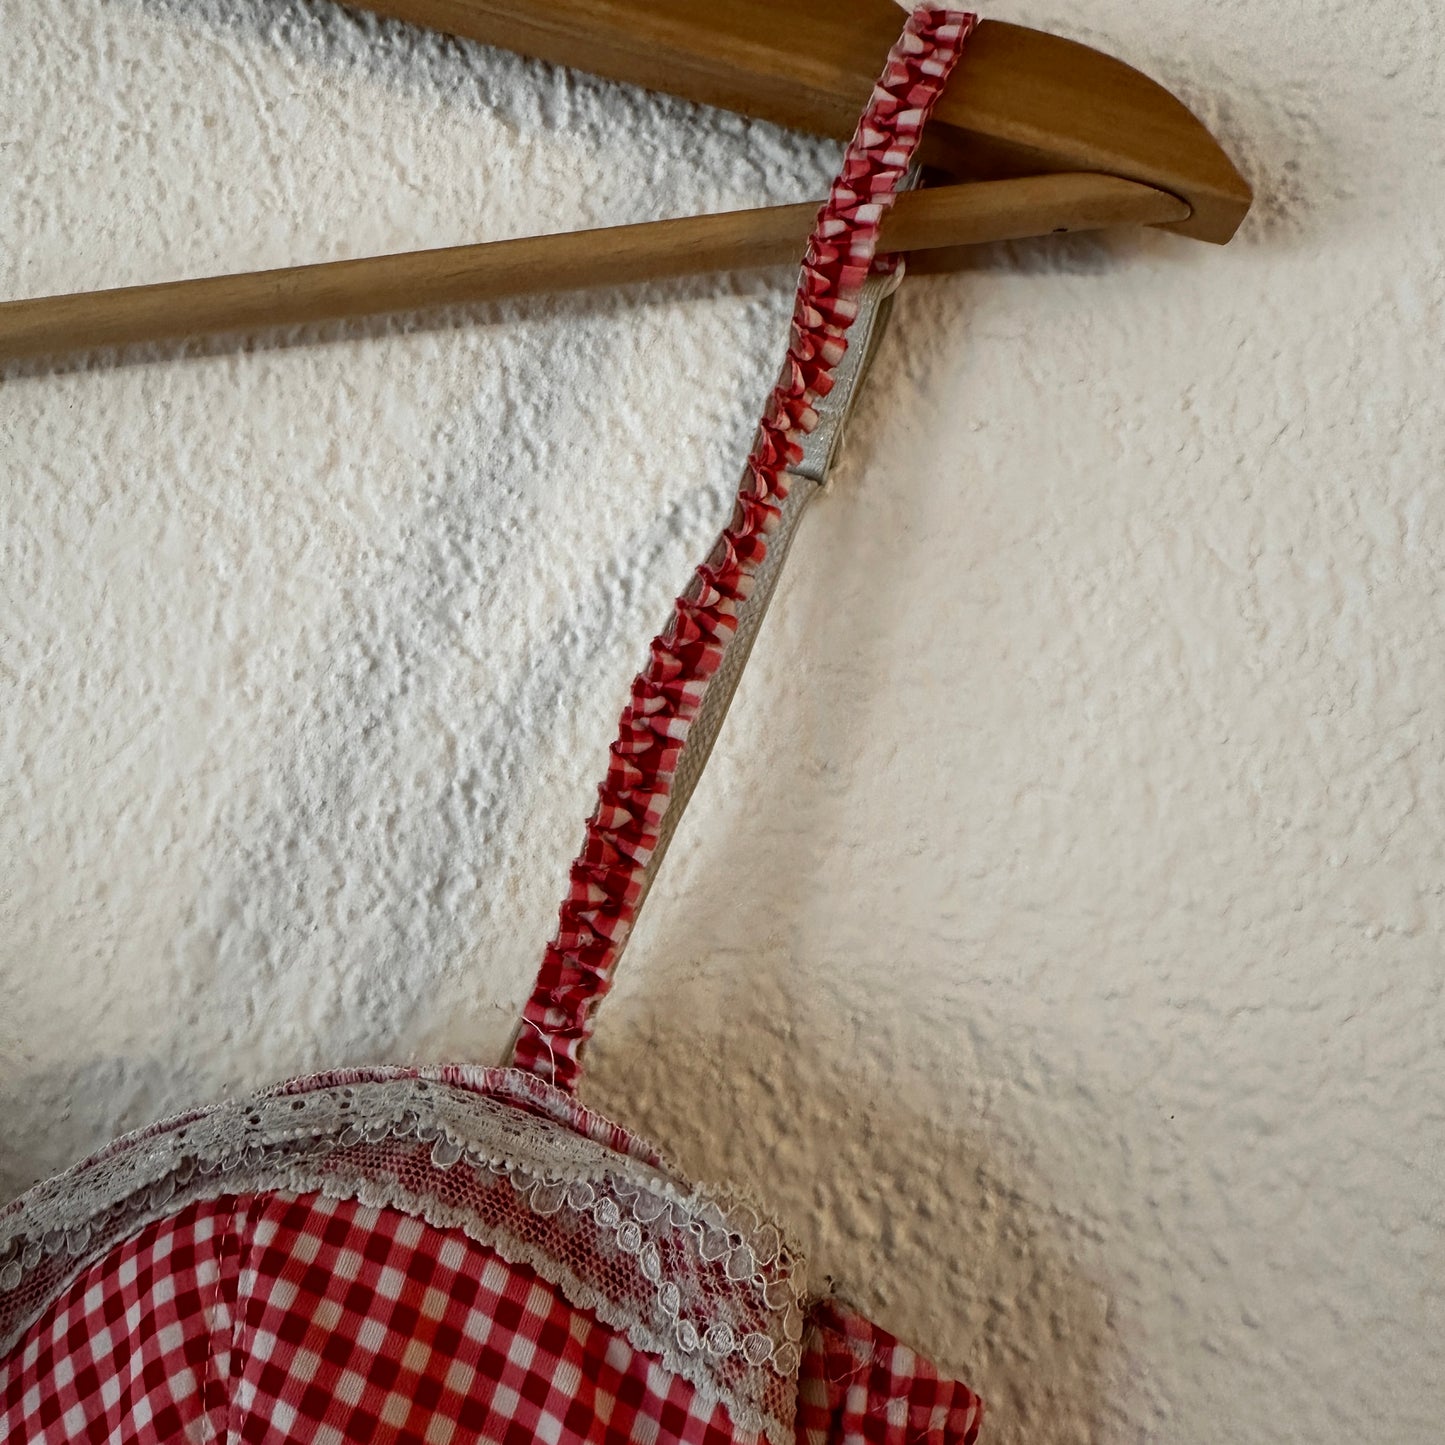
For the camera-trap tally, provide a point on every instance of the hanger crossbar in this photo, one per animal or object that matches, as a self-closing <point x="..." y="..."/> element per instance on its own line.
<point x="939" y="219"/>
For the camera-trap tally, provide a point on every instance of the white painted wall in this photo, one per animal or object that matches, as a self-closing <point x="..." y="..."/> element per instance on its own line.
<point x="1056" y="938"/>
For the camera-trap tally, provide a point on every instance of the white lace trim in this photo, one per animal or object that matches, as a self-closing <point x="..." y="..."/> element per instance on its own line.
<point x="635" y="1214"/>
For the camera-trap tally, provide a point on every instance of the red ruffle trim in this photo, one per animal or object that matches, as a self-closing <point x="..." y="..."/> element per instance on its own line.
<point x="608" y="878"/>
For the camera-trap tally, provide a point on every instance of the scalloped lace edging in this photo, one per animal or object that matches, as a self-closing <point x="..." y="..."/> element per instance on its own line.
<point x="710" y="1288"/>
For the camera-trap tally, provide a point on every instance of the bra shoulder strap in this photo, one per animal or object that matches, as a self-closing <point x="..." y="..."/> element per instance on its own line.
<point x="678" y="701"/>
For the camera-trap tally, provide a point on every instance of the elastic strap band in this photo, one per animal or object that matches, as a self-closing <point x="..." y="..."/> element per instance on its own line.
<point x="678" y="700"/>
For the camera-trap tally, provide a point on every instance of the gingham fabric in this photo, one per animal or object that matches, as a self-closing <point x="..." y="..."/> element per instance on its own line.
<point x="860" y="1384"/>
<point x="330" y="1322"/>
<point x="470" y="1255"/>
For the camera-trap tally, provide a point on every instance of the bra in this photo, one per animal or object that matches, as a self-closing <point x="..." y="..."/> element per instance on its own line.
<point x="463" y="1254"/>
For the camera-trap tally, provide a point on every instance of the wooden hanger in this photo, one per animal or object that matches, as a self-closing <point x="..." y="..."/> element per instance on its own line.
<point x="1036" y="134"/>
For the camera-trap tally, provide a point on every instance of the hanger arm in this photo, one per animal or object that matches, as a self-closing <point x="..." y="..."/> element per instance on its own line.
<point x="1022" y="102"/>
<point x="943" y="218"/>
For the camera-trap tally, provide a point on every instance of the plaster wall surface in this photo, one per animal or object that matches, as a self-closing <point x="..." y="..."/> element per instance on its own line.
<point x="1055" y="940"/>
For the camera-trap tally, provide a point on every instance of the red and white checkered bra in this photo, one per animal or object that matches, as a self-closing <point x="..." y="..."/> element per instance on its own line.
<point x="469" y="1254"/>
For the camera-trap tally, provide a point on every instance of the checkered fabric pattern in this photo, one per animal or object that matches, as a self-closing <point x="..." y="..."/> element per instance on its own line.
<point x="267" y="1319"/>
<point x="862" y="1386"/>
<point x="270" y="1319"/>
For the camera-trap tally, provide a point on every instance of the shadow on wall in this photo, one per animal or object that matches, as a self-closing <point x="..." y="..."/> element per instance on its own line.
<point x="925" y="1226"/>
<point x="955" y="1257"/>
<point x="1278" y="137"/>
<point x="1275" y="133"/>
<point x="342" y="912"/>
<point x="417" y="62"/>
<point x="57" y="1115"/>
<point x="1283" y="141"/>
<point x="818" y="1095"/>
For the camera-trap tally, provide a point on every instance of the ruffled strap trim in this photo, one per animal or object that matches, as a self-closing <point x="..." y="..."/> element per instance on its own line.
<point x="628" y="831"/>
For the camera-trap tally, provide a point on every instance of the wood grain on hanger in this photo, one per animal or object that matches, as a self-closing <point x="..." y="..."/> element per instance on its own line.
<point x="943" y="218"/>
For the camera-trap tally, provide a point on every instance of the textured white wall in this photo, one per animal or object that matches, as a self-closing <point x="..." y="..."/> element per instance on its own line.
<point x="1056" y="938"/>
